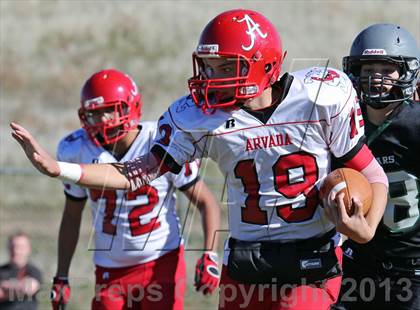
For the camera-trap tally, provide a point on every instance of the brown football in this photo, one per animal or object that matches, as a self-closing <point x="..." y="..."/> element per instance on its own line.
<point x="352" y="183"/>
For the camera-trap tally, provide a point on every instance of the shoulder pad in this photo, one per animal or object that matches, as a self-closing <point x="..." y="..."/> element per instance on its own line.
<point x="188" y="117"/>
<point x="324" y="85"/>
<point x="70" y="146"/>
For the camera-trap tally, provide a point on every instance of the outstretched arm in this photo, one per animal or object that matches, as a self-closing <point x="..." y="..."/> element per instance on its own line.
<point x="130" y="175"/>
<point x="35" y="153"/>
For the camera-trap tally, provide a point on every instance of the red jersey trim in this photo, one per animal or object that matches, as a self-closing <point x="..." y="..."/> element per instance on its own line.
<point x="361" y="160"/>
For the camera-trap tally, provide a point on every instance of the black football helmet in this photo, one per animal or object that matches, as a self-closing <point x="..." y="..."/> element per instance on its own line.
<point x="384" y="43"/>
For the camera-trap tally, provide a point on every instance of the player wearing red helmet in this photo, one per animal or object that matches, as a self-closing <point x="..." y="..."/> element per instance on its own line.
<point x="138" y="250"/>
<point x="247" y="73"/>
<point x="273" y="139"/>
<point x="109" y="92"/>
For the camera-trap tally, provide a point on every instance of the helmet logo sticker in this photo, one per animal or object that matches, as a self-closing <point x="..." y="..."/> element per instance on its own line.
<point x="374" y="51"/>
<point x="208" y="48"/>
<point x="134" y="90"/>
<point x="253" y="28"/>
<point x="94" y="101"/>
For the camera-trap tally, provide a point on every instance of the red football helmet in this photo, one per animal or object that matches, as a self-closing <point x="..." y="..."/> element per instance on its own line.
<point x="247" y="38"/>
<point x="110" y="106"/>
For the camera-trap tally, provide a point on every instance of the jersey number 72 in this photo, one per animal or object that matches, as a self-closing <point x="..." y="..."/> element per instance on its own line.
<point x="136" y="227"/>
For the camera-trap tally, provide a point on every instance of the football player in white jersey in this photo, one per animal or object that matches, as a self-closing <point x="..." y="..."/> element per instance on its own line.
<point x="138" y="250"/>
<point x="273" y="139"/>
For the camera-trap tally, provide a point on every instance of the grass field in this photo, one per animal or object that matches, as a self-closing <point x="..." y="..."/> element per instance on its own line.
<point x="48" y="48"/>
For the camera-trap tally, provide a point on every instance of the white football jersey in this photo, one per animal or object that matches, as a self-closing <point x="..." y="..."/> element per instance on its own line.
<point x="130" y="227"/>
<point x="273" y="169"/>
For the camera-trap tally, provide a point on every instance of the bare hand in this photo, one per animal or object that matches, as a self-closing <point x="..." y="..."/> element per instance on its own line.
<point x="355" y="227"/>
<point x="35" y="153"/>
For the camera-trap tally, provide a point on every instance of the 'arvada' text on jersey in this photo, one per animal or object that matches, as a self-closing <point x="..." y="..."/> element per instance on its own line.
<point x="265" y="142"/>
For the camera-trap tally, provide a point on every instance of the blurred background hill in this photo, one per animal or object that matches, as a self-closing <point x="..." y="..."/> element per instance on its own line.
<point x="49" y="48"/>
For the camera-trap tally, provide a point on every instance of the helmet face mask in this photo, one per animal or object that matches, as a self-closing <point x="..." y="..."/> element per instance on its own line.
<point x="220" y="81"/>
<point x="384" y="44"/>
<point x="110" y="106"/>
<point x="250" y="45"/>
<point x="402" y="87"/>
<point x="107" y="123"/>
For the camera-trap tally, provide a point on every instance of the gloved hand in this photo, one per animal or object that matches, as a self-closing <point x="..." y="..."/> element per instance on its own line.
<point x="60" y="293"/>
<point x="207" y="273"/>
